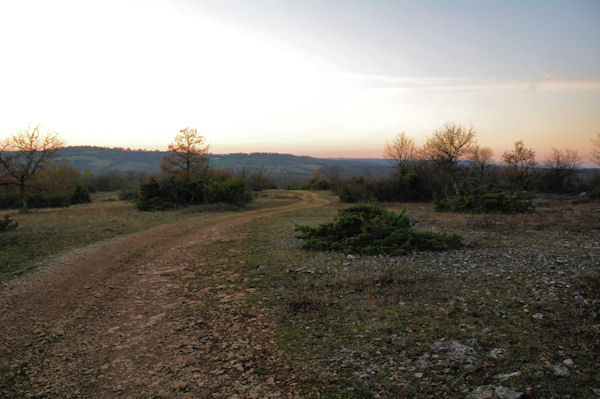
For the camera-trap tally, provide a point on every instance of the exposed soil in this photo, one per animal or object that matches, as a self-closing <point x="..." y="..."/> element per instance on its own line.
<point x="114" y="319"/>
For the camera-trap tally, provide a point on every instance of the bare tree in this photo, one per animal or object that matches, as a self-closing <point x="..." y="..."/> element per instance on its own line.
<point x="188" y="154"/>
<point x="24" y="154"/>
<point x="563" y="159"/>
<point x="520" y="157"/>
<point x="519" y="160"/>
<point x="482" y="156"/>
<point x="401" y="150"/>
<point x="258" y="180"/>
<point x="596" y="148"/>
<point x="562" y="164"/>
<point x="447" y="146"/>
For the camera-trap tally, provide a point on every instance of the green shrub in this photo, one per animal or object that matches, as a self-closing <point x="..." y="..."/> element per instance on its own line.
<point x="367" y="229"/>
<point x="317" y="182"/>
<point x="353" y="190"/>
<point x="10" y="201"/>
<point x="174" y="192"/>
<point x="409" y="183"/>
<point x="7" y="224"/>
<point x="231" y="191"/>
<point x="128" y="193"/>
<point x="49" y="200"/>
<point x="80" y="195"/>
<point x="593" y="188"/>
<point x="415" y="182"/>
<point x="153" y="197"/>
<point x="36" y="200"/>
<point x="483" y="199"/>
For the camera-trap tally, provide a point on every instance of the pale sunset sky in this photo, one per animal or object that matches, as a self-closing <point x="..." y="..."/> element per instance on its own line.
<point x="314" y="77"/>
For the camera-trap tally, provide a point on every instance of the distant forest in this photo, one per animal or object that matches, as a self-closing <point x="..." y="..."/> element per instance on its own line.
<point x="278" y="167"/>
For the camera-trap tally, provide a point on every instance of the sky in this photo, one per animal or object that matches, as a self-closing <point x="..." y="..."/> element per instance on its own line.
<point x="327" y="78"/>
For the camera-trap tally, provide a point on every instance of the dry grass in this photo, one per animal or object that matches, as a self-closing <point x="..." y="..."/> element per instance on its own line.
<point x="375" y="326"/>
<point x="420" y="325"/>
<point x="44" y="232"/>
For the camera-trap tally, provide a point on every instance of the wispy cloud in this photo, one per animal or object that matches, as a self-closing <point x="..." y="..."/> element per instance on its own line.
<point x="547" y="83"/>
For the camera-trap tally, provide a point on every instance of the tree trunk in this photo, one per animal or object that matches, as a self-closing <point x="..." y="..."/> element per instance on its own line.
<point x="454" y="184"/>
<point x="23" y="197"/>
<point x="451" y="174"/>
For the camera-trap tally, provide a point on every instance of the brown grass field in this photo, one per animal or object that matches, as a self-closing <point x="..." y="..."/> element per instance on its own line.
<point x="516" y="313"/>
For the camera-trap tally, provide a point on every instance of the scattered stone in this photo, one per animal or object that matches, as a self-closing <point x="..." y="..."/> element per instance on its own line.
<point x="58" y="332"/>
<point x="537" y="316"/>
<point x="456" y="351"/>
<point x="560" y="370"/>
<point x="113" y="329"/>
<point x="239" y="367"/>
<point x="180" y="385"/>
<point x="581" y="300"/>
<point x="568" y="362"/>
<point x="498" y="353"/>
<point x="505" y="393"/>
<point x="504" y="377"/>
<point x="218" y="331"/>
<point x="482" y="392"/>
<point x="493" y="392"/>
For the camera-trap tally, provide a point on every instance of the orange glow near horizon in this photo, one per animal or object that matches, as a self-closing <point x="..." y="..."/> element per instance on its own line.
<point x="309" y="89"/>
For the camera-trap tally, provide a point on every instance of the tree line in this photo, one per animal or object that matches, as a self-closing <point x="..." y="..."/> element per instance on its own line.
<point x="30" y="177"/>
<point x="449" y="163"/>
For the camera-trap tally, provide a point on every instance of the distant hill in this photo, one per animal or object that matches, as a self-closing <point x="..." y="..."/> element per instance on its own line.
<point x="100" y="160"/>
<point x="276" y="166"/>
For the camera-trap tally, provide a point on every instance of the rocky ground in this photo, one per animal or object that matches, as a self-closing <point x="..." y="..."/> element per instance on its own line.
<point x="230" y="306"/>
<point x="516" y="313"/>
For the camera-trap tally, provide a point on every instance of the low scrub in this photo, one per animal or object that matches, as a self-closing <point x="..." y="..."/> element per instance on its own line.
<point x="36" y="200"/>
<point x="80" y="195"/>
<point x="128" y="193"/>
<point x="415" y="182"/>
<point x="175" y="192"/>
<point x="355" y="189"/>
<point x="168" y="193"/>
<point x="43" y="199"/>
<point x="366" y="229"/>
<point x="7" y="224"/>
<point x="593" y="190"/>
<point x="230" y="191"/>
<point x="483" y="199"/>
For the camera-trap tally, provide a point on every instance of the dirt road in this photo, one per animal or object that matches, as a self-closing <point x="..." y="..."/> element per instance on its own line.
<point x="119" y="319"/>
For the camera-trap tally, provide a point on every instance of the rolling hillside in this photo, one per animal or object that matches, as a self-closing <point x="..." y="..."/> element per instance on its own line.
<point x="276" y="166"/>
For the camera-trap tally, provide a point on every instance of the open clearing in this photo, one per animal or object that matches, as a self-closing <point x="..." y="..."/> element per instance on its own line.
<point x="227" y="304"/>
